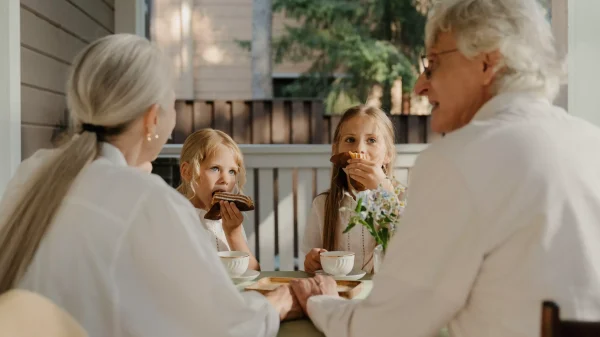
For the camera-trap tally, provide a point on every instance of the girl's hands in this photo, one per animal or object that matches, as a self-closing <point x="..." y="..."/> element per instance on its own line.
<point x="312" y="261"/>
<point x="232" y="217"/>
<point x="368" y="173"/>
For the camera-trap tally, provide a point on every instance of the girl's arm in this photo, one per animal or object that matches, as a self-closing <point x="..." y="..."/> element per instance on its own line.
<point x="234" y="231"/>
<point x="237" y="241"/>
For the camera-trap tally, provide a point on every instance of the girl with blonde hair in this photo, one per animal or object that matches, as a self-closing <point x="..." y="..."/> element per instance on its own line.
<point x="366" y="130"/>
<point x="212" y="162"/>
<point x="116" y="247"/>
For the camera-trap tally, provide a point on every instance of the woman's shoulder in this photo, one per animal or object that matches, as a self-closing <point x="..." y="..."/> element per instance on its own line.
<point x="163" y="191"/>
<point x="161" y="204"/>
<point x="26" y="170"/>
<point x="18" y="181"/>
<point x="128" y="176"/>
<point x="29" y="165"/>
<point x="132" y="185"/>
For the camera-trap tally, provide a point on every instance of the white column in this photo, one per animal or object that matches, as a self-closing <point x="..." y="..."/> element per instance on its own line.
<point x="172" y="30"/>
<point x="560" y="29"/>
<point x="186" y="59"/>
<point x="130" y="17"/>
<point x="10" y="90"/>
<point x="584" y="56"/>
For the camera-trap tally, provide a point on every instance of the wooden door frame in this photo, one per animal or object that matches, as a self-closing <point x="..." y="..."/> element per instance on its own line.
<point x="10" y="90"/>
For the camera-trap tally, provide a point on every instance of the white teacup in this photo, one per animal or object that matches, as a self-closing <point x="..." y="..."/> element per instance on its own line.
<point x="235" y="262"/>
<point x="337" y="263"/>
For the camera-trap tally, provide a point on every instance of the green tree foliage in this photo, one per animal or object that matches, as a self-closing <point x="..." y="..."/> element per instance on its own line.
<point x="367" y="41"/>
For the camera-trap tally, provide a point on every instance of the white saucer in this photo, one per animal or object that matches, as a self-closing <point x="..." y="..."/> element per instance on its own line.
<point x="249" y="275"/>
<point x="352" y="276"/>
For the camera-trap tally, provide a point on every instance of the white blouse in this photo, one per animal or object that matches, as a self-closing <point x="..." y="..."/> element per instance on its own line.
<point x="125" y="256"/>
<point x="358" y="240"/>
<point x="502" y="214"/>
<point x="215" y="232"/>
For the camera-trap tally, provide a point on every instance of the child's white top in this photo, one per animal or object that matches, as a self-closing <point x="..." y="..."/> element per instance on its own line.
<point x="358" y="240"/>
<point x="215" y="231"/>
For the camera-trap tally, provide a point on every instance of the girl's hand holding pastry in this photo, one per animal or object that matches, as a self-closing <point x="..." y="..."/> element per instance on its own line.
<point x="232" y="217"/>
<point x="368" y="173"/>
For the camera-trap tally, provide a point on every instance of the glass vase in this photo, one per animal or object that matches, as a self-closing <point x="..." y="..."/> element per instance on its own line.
<point x="378" y="256"/>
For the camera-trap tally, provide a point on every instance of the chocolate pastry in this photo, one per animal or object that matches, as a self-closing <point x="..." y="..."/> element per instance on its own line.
<point x="340" y="161"/>
<point x="242" y="202"/>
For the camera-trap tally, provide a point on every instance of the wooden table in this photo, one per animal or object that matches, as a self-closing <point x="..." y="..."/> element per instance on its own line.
<point x="303" y="327"/>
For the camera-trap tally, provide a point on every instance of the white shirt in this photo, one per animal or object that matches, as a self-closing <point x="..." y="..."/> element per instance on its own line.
<point x="501" y="215"/>
<point x="358" y="240"/>
<point x="125" y="257"/>
<point x="215" y="232"/>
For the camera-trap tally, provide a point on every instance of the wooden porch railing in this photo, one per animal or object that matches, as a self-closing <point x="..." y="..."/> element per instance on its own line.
<point x="283" y="180"/>
<point x="280" y="121"/>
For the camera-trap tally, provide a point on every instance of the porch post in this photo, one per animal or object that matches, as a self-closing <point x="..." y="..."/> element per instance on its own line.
<point x="130" y="17"/>
<point x="560" y="29"/>
<point x="584" y="53"/>
<point x="10" y="90"/>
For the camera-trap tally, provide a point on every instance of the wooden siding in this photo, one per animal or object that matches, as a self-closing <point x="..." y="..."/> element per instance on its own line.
<point x="52" y="32"/>
<point x="219" y="68"/>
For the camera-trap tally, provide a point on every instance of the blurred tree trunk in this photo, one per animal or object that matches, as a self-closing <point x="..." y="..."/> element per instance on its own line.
<point x="386" y="33"/>
<point x="262" y="63"/>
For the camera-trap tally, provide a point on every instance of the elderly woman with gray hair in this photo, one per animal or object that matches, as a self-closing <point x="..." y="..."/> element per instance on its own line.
<point x="504" y="210"/>
<point x="117" y="248"/>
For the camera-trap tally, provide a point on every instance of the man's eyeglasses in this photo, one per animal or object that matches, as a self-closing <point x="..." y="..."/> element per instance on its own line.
<point x="425" y="61"/>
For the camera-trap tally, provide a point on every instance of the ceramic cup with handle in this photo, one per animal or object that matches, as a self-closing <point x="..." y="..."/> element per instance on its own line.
<point x="337" y="263"/>
<point x="235" y="262"/>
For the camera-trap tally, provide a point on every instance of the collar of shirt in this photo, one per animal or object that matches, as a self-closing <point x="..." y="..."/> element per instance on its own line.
<point x="348" y="200"/>
<point x="502" y="101"/>
<point x="113" y="154"/>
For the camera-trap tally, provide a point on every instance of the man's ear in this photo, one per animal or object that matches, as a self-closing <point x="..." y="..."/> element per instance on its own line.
<point x="491" y="61"/>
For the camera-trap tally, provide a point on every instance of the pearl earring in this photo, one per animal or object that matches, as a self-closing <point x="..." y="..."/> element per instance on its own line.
<point x="149" y="137"/>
